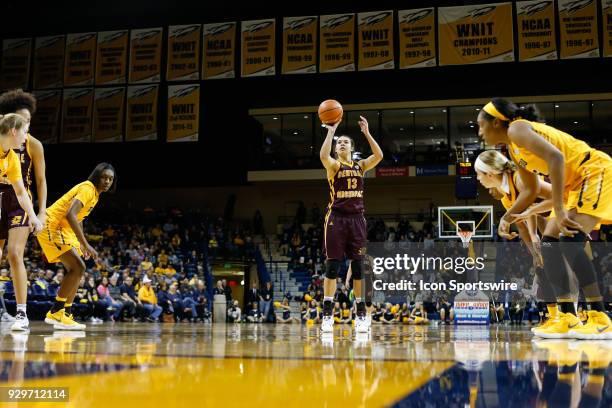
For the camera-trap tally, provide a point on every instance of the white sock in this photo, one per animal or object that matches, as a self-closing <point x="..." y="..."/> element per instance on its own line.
<point x="21" y="308"/>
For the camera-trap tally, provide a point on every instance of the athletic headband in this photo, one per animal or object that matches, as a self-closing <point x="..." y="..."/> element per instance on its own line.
<point x="492" y="110"/>
<point x="485" y="168"/>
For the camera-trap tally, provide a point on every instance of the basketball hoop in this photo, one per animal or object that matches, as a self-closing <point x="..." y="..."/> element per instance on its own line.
<point x="465" y="236"/>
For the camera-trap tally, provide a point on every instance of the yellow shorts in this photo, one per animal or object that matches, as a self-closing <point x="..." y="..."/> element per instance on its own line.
<point x="55" y="241"/>
<point x="592" y="193"/>
<point x="418" y="320"/>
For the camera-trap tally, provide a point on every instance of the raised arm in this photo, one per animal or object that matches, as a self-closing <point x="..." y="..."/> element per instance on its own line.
<point x="328" y="161"/>
<point x="377" y="153"/>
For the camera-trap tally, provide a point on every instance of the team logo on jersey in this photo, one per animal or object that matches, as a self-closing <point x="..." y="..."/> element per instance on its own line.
<point x="523" y="163"/>
<point x="16" y="220"/>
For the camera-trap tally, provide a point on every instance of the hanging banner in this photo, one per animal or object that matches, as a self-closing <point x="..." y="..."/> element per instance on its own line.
<point x="76" y="117"/>
<point x="183" y="113"/>
<point x="578" y="29"/>
<point x="417" y="38"/>
<point x="145" y="55"/>
<point x="46" y="123"/>
<point x="606" y="9"/>
<point x="49" y="61"/>
<point x="15" y="69"/>
<point x="475" y="34"/>
<point x="300" y="45"/>
<point x="80" y="57"/>
<point x="141" y="113"/>
<point x="375" y="31"/>
<point x="536" y="30"/>
<point x="258" y="47"/>
<point x="108" y="114"/>
<point x="183" y="52"/>
<point x="337" y="50"/>
<point x="219" y="49"/>
<point x="111" y="61"/>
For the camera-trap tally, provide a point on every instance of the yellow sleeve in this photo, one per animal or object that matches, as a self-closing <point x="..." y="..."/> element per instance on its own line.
<point x="85" y="194"/>
<point x="13" y="171"/>
<point x="506" y="202"/>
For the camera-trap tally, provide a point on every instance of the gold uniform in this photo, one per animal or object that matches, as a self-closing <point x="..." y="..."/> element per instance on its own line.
<point x="588" y="171"/>
<point x="57" y="237"/>
<point x="10" y="166"/>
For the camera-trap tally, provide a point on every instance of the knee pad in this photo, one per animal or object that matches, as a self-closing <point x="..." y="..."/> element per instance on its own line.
<point x="357" y="269"/>
<point x="332" y="266"/>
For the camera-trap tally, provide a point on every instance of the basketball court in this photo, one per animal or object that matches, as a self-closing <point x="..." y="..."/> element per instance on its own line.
<point x="395" y="366"/>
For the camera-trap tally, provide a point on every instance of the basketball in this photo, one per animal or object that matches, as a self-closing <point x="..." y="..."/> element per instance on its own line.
<point x="330" y="112"/>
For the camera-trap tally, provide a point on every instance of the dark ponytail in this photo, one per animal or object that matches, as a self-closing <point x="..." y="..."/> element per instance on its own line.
<point x="513" y="112"/>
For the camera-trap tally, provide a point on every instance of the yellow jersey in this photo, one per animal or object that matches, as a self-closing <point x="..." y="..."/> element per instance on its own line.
<point x="85" y="192"/>
<point x="575" y="151"/>
<point x="510" y="197"/>
<point x="10" y="166"/>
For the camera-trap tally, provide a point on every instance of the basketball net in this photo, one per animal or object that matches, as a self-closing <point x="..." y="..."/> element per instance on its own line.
<point x="466" y="237"/>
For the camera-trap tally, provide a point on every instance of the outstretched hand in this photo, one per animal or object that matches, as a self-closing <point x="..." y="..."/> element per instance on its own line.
<point x="363" y="125"/>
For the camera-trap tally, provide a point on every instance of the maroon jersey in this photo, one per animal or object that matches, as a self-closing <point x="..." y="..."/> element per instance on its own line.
<point x="346" y="189"/>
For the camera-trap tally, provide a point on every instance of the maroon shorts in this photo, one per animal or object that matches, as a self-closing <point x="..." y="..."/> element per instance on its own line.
<point x="11" y="213"/>
<point x="345" y="235"/>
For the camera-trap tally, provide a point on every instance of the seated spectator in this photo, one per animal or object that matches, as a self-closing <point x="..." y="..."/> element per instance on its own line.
<point x="149" y="300"/>
<point x="303" y="312"/>
<point x="199" y="296"/>
<point x="496" y="310"/>
<point x="389" y="316"/>
<point x="284" y="315"/>
<point x="405" y="314"/>
<point x="346" y="313"/>
<point x="234" y="314"/>
<point x="377" y="314"/>
<point x="146" y="266"/>
<point x="83" y="304"/>
<point x="517" y="308"/>
<point x="254" y="315"/>
<point x="337" y="313"/>
<point x="113" y="308"/>
<point x="419" y="315"/>
<point x="115" y="293"/>
<point x="130" y="299"/>
<point x="313" y="312"/>
<point x="163" y="298"/>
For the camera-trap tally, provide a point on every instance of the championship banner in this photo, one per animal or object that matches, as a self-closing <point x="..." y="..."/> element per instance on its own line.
<point x="108" y="114"/>
<point x="417" y="38"/>
<point x="76" y="117"/>
<point x="145" y="55"/>
<point x="300" y="45"/>
<point x="80" y="57"/>
<point x="49" y="61"/>
<point x="141" y="113"/>
<point x="218" y="55"/>
<point x="15" y="69"/>
<point x="578" y="29"/>
<point x="375" y="31"/>
<point x="183" y="52"/>
<point x="606" y="8"/>
<point x="536" y="30"/>
<point x="475" y="34"/>
<point x="111" y="61"/>
<point x="258" y="47"/>
<point x="46" y="123"/>
<point x="183" y="113"/>
<point x="337" y="51"/>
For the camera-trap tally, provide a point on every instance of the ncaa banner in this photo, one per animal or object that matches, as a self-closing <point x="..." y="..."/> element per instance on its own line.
<point x="475" y="34"/>
<point x="606" y="8"/>
<point x="108" y="114"/>
<point x="76" y="117"/>
<point x="183" y="113"/>
<point x="375" y="31"/>
<point x="578" y="29"/>
<point x="258" y="47"/>
<point x="145" y="55"/>
<point x="80" y="57"/>
<point x="49" y="61"/>
<point x="219" y="50"/>
<point x="111" y="60"/>
<point x="15" y="72"/>
<point x="300" y="45"/>
<point x="141" y="113"/>
<point x="537" y="40"/>
<point x="417" y="38"/>
<point x="46" y="122"/>
<point x="183" y="52"/>
<point x="337" y="50"/>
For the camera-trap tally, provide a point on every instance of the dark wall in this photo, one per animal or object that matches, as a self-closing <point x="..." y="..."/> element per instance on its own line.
<point x="227" y="134"/>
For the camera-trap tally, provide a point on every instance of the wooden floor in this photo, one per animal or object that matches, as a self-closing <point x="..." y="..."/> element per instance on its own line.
<point x="171" y="365"/>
